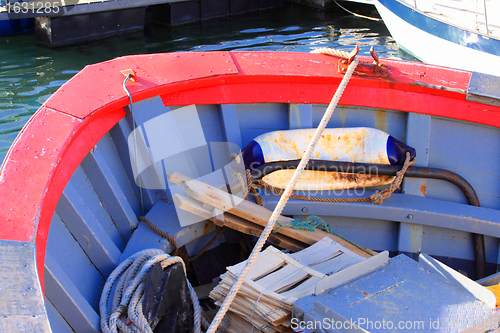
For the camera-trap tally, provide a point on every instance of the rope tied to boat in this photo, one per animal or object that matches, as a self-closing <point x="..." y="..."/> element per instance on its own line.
<point x="285" y="196"/>
<point x="376" y="198"/>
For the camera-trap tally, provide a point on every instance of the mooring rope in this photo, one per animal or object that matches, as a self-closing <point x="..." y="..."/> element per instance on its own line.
<point x="130" y="76"/>
<point x="283" y="200"/>
<point x="126" y="310"/>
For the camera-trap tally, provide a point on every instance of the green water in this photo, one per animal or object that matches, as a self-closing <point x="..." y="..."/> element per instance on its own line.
<point x="29" y="74"/>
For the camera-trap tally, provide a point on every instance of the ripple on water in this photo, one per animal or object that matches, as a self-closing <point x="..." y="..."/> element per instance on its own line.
<point x="30" y="74"/>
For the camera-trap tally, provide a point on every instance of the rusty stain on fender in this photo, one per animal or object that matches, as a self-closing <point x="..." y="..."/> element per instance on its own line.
<point x="359" y="144"/>
<point x="325" y="181"/>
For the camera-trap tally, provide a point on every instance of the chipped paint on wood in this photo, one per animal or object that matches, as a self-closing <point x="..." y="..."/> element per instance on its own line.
<point x="325" y="181"/>
<point x="358" y="144"/>
<point x="423" y="187"/>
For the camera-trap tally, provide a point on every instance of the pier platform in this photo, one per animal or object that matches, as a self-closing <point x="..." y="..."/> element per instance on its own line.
<point x="62" y="22"/>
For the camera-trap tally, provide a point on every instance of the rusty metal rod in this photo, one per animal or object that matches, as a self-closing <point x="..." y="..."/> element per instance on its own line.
<point x="391" y="170"/>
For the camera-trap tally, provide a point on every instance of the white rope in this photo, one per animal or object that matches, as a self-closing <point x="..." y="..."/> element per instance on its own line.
<point x="283" y="200"/>
<point x="330" y="51"/>
<point x="129" y="277"/>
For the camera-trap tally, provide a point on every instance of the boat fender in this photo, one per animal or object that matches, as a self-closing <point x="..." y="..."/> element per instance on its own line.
<point x="357" y="144"/>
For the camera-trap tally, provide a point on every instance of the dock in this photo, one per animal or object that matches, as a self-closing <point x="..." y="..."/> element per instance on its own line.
<point x="63" y="22"/>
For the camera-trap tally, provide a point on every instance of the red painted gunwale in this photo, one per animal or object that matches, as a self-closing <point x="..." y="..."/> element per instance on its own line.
<point x="61" y="133"/>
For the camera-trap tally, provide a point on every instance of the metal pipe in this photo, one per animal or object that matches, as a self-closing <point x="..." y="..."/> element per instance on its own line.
<point x="391" y="170"/>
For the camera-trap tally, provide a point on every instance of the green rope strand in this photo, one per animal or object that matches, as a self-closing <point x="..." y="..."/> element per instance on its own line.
<point x="311" y="223"/>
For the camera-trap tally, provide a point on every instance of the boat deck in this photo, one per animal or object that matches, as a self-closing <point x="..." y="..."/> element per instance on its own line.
<point x="468" y="14"/>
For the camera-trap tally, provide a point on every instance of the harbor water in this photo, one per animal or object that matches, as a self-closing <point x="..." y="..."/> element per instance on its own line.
<point x="29" y="74"/>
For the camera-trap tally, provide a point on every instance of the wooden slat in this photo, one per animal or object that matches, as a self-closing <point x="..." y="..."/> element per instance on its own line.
<point x="84" y="188"/>
<point x="252" y="212"/>
<point x="230" y="125"/>
<point x="236" y="223"/>
<point x="110" y="192"/>
<point x="75" y="263"/>
<point x="120" y="134"/>
<point x="68" y="300"/>
<point x="87" y="230"/>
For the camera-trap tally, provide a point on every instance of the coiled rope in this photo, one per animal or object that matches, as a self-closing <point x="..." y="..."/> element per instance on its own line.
<point x="126" y="308"/>
<point x="283" y="200"/>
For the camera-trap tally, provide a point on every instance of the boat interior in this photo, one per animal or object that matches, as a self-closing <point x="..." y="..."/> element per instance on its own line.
<point x="237" y="97"/>
<point x="95" y="225"/>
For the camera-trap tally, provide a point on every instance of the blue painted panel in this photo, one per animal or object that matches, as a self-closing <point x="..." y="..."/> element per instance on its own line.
<point x="407" y="209"/>
<point x="82" y="185"/>
<point x="163" y="215"/>
<point x="67" y="299"/>
<point x="108" y="149"/>
<point x="87" y="230"/>
<point x="73" y="261"/>
<point x="392" y="122"/>
<point x="470" y="150"/>
<point x="300" y="116"/>
<point x="57" y="322"/>
<point x="230" y="126"/>
<point x="110" y="192"/>
<point x="417" y="136"/>
<point x="371" y="233"/>
<point x="455" y="244"/>
<point x="257" y="119"/>
<point x="120" y="132"/>
<point x="210" y="121"/>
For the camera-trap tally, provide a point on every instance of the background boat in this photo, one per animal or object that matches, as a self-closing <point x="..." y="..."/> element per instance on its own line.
<point x="459" y="34"/>
<point x="70" y="202"/>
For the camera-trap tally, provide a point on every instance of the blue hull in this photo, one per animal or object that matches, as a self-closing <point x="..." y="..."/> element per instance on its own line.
<point x="17" y="27"/>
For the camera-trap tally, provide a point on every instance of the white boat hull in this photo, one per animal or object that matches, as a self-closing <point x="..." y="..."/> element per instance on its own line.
<point x="435" y="50"/>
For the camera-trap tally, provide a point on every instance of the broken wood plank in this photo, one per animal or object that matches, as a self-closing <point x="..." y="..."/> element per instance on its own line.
<point x="254" y="213"/>
<point x="236" y="223"/>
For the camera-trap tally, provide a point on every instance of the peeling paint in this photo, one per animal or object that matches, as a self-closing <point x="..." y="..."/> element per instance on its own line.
<point x="423" y="187"/>
<point x="325" y="181"/>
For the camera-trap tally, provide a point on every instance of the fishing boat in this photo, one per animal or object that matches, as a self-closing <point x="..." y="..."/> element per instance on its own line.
<point x="91" y="166"/>
<point x="457" y="34"/>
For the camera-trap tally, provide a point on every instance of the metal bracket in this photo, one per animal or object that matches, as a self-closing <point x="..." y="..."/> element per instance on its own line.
<point x="375" y="68"/>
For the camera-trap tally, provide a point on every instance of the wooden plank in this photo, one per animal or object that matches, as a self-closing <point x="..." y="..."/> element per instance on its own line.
<point x="120" y="134"/>
<point x="418" y="134"/>
<point x="74" y="262"/>
<point x="21" y="295"/>
<point x="68" y="300"/>
<point x="110" y="192"/>
<point x="236" y="223"/>
<point x="110" y="152"/>
<point x="87" y="231"/>
<point x="459" y="280"/>
<point x="230" y="126"/>
<point x="299" y="116"/>
<point x="83" y="186"/>
<point x="352" y="272"/>
<point x="57" y="322"/>
<point x="252" y="212"/>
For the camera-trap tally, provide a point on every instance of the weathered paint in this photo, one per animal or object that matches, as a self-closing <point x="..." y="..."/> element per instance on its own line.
<point x="364" y="145"/>
<point x="84" y="111"/>
<point x="325" y="181"/>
